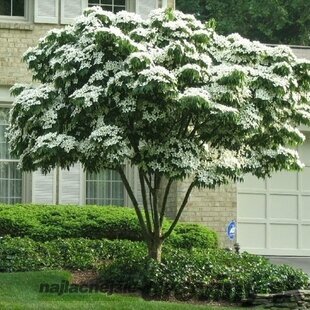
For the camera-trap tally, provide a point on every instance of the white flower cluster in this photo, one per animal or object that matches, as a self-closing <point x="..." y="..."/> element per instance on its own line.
<point x="142" y="56"/>
<point x="127" y="18"/>
<point x="32" y="96"/>
<point x="193" y="67"/>
<point x="49" y="118"/>
<point x="154" y="115"/>
<point x="263" y="94"/>
<point x="173" y="157"/>
<point x="249" y="117"/>
<point x="89" y="93"/>
<point x="193" y="92"/>
<point x="53" y="140"/>
<point x="127" y="105"/>
<point x="157" y="74"/>
<point x="106" y="143"/>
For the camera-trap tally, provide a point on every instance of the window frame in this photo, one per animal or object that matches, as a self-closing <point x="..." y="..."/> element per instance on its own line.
<point x="85" y="198"/>
<point x="126" y="8"/>
<point x="25" y="177"/>
<point x="28" y="17"/>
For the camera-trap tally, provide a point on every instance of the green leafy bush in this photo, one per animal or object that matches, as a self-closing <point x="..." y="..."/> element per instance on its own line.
<point x="188" y="236"/>
<point x="204" y="275"/>
<point x="42" y="222"/>
<point x="45" y="223"/>
<point x="184" y="274"/>
<point x="25" y="254"/>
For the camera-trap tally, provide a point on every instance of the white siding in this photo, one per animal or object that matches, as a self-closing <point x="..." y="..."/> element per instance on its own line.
<point x="43" y="187"/>
<point x="70" y="9"/>
<point x="70" y="185"/>
<point x="46" y="11"/>
<point x="144" y="7"/>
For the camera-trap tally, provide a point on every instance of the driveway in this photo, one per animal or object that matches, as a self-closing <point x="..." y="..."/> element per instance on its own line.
<point x="297" y="262"/>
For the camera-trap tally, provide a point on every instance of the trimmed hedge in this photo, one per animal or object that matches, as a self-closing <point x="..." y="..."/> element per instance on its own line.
<point x="25" y="254"/>
<point x="188" y="236"/>
<point x="202" y="275"/>
<point x="46" y="223"/>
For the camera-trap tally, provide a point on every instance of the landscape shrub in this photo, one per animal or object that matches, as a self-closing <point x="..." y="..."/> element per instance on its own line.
<point x="203" y="275"/>
<point x="25" y="254"/>
<point x="184" y="274"/>
<point x="188" y="236"/>
<point x="46" y="223"/>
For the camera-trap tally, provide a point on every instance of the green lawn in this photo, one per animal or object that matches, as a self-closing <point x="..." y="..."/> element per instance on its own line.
<point x="21" y="291"/>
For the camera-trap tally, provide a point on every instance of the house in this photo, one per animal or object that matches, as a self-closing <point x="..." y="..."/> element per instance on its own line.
<point x="273" y="216"/>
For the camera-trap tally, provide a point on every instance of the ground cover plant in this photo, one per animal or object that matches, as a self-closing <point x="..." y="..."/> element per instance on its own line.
<point x="203" y="275"/>
<point x="167" y="95"/>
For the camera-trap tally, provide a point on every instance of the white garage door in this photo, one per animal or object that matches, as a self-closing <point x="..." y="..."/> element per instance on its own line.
<point x="274" y="214"/>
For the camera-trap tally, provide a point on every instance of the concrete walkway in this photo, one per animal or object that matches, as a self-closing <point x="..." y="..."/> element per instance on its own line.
<point x="297" y="262"/>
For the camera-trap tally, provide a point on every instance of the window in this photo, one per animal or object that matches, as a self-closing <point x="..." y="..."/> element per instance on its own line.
<point x="104" y="188"/>
<point x="10" y="176"/>
<point x="109" y="5"/>
<point x="14" y="8"/>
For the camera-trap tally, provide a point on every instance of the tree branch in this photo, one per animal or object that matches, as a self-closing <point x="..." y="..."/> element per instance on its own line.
<point x="185" y="119"/>
<point x="135" y="203"/>
<point x="187" y="124"/>
<point x="144" y="199"/>
<point x="163" y="206"/>
<point x="149" y="184"/>
<point x="175" y="221"/>
<point x="157" y="180"/>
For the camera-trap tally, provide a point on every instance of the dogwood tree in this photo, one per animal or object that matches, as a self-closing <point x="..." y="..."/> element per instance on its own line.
<point x="167" y="95"/>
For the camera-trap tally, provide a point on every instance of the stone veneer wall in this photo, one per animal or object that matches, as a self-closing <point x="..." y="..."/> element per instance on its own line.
<point x="15" y="39"/>
<point x="299" y="299"/>
<point x="213" y="208"/>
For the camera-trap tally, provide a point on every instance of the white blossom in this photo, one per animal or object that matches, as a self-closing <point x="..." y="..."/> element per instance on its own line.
<point x="166" y="94"/>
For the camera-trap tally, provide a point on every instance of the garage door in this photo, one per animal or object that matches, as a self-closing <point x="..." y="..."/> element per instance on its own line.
<point x="274" y="214"/>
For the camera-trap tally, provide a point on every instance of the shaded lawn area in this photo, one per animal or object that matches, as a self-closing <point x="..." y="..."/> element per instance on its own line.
<point x="21" y="291"/>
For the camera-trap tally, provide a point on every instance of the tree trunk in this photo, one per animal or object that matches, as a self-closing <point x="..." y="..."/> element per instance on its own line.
<point x="154" y="249"/>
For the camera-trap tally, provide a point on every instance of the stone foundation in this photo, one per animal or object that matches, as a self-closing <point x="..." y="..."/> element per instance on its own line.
<point x="299" y="299"/>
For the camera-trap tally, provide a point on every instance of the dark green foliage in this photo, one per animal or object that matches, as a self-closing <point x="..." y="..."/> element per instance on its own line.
<point x="204" y="275"/>
<point x="24" y="254"/>
<point x="123" y="265"/>
<point x="44" y="223"/>
<point x="270" y="21"/>
<point x="187" y="236"/>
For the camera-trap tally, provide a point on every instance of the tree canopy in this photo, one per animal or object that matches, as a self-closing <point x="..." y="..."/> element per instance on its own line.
<point x="269" y="21"/>
<point x="167" y="95"/>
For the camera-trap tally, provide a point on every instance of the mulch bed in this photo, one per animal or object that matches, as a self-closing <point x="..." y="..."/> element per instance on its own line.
<point x="84" y="277"/>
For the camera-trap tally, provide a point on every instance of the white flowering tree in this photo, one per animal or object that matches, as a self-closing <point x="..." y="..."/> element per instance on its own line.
<point x="167" y="95"/>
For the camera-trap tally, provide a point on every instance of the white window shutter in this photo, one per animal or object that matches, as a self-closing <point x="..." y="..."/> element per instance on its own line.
<point x="144" y="7"/>
<point x="70" y="185"/>
<point x="43" y="187"/>
<point x="164" y="4"/>
<point x="46" y="11"/>
<point x="70" y="9"/>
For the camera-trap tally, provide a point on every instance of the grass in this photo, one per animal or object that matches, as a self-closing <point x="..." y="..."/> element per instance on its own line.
<point x="21" y="291"/>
